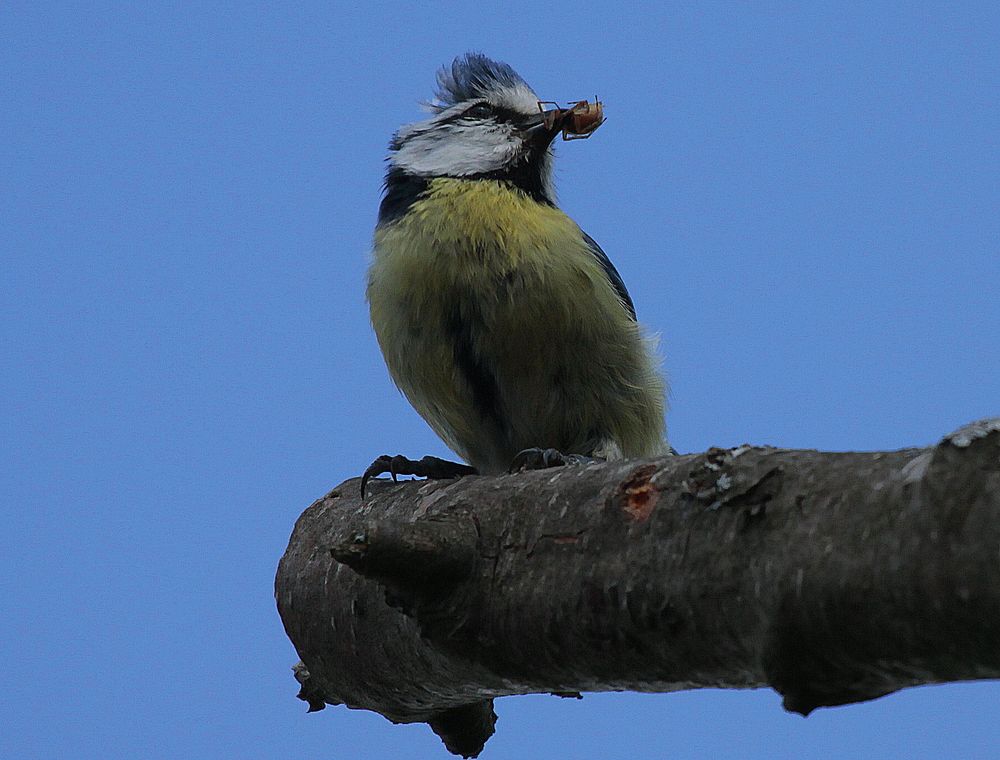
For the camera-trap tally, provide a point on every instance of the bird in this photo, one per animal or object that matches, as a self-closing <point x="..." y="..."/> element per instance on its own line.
<point x="504" y="324"/>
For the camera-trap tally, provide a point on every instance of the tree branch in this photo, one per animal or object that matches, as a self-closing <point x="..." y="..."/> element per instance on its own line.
<point x="831" y="577"/>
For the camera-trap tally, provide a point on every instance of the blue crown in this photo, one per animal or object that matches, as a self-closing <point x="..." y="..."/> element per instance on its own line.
<point x="472" y="76"/>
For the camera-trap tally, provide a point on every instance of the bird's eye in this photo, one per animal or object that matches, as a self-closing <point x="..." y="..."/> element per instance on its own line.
<point x="479" y="111"/>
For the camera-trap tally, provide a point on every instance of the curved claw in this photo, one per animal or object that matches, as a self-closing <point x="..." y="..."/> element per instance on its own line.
<point x="380" y="466"/>
<point x="427" y="467"/>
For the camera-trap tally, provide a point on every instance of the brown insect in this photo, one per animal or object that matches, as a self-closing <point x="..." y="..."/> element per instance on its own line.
<point x="578" y="121"/>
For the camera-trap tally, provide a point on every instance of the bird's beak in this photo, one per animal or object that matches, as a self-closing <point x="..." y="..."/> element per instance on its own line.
<point x="576" y="122"/>
<point x="540" y="131"/>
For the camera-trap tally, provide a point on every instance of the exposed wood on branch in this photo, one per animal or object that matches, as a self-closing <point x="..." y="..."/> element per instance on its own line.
<point x="831" y="577"/>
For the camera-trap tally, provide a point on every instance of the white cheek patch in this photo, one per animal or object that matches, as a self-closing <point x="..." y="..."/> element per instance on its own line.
<point x="457" y="150"/>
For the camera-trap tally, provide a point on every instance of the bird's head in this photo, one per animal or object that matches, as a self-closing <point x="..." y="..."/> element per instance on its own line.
<point x="486" y="123"/>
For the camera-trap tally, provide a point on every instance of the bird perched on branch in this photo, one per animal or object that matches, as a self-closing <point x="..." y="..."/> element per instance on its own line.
<point x="504" y="324"/>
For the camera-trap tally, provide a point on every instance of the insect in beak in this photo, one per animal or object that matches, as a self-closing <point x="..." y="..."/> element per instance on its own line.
<point x="578" y="121"/>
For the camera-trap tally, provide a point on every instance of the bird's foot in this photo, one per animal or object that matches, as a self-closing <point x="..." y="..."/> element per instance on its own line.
<point x="428" y="467"/>
<point x="541" y="459"/>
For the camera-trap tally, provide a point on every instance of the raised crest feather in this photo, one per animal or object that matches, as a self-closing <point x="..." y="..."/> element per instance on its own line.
<point x="472" y="76"/>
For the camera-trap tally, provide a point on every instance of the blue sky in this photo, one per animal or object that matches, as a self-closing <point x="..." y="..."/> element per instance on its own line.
<point x="802" y="198"/>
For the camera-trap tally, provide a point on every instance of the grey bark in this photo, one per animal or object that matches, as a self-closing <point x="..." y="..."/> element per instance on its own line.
<point x="830" y="577"/>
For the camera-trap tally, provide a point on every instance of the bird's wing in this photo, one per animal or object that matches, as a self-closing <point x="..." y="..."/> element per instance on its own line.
<point x="611" y="272"/>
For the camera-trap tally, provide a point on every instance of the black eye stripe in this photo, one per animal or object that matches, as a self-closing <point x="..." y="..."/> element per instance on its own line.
<point x="487" y="111"/>
<point x="479" y="111"/>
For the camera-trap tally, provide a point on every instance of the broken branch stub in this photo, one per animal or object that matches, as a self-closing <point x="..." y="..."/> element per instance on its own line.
<point x="830" y="577"/>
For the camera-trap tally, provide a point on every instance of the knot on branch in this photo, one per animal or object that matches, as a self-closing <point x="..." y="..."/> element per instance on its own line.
<point x="466" y="729"/>
<point x="428" y="552"/>
<point x="418" y="562"/>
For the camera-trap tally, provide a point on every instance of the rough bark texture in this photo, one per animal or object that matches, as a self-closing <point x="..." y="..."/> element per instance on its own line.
<point x="831" y="577"/>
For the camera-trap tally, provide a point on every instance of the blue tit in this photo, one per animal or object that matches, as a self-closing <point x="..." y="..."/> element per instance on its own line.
<point x="504" y="324"/>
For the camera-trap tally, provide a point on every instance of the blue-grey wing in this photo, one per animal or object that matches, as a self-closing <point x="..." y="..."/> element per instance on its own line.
<point x="611" y="272"/>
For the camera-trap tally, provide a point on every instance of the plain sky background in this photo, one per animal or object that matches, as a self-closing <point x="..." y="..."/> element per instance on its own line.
<point x="803" y="198"/>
